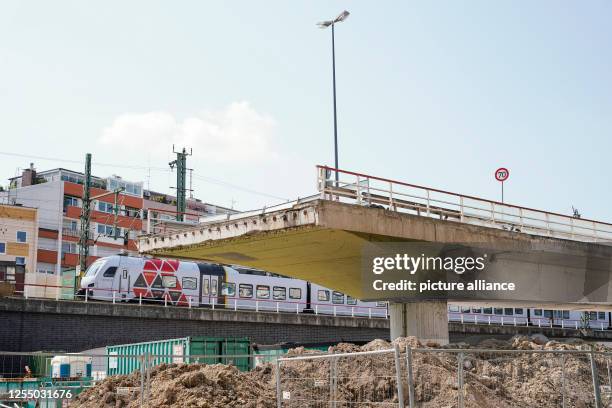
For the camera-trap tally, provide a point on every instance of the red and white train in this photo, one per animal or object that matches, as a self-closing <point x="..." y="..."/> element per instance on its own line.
<point x="182" y="283"/>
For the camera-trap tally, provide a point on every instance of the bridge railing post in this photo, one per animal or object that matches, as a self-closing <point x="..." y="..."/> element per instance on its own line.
<point x="86" y="295"/>
<point x="113" y="297"/>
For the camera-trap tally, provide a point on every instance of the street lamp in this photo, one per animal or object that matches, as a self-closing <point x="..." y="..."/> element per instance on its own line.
<point x="324" y="24"/>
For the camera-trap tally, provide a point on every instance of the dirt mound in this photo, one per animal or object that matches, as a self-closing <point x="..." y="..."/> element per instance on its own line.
<point x="519" y="378"/>
<point x="187" y="385"/>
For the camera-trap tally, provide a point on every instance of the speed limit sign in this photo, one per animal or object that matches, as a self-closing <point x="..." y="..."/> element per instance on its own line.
<point x="502" y="174"/>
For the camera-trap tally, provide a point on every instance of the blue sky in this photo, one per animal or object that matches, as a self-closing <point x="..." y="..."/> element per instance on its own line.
<point x="434" y="93"/>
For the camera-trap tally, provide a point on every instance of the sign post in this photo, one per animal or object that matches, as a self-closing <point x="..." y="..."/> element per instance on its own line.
<point x="502" y="175"/>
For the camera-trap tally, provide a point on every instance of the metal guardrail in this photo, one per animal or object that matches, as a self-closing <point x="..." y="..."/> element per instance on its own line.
<point x="230" y="303"/>
<point x="398" y="196"/>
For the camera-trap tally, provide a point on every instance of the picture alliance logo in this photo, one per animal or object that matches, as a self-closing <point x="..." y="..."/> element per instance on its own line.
<point x="412" y="264"/>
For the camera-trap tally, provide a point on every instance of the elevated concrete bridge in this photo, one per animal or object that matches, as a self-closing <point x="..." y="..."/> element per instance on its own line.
<point x="554" y="259"/>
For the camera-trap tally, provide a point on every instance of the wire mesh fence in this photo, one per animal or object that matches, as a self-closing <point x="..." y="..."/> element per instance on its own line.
<point x="397" y="377"/>
<point x="365" y="379"/>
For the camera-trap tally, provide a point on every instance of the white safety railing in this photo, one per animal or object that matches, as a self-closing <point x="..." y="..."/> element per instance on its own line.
<point x="398" y="196"/>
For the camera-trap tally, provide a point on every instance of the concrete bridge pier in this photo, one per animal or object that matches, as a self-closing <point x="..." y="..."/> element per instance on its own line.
<point x="427" y="320"/>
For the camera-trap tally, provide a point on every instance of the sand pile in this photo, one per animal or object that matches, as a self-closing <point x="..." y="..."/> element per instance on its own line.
<point x="490" y="379"/>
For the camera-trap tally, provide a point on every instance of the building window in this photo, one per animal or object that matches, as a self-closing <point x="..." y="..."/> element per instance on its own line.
<point x="69" y="248"/>
<point x="20" y="260"/>
<point x="295" y="293"/>
<point x="2" y="248"/>
<point x="70" y="201"/>
<point x="22" y="236"/>
<point x="106" y="207"/>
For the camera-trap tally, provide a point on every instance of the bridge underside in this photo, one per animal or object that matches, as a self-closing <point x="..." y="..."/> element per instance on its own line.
<point x="323" y="242"/>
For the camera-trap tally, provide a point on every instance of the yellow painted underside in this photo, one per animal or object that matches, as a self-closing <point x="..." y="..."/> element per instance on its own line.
<point x="329" y="257"/>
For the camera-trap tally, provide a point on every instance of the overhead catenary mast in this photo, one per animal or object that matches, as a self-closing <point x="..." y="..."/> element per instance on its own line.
<point x="84" y="236"/>
<point x="181" y="177"/>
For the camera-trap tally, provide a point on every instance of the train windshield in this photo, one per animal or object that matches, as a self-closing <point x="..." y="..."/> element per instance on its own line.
<point x="93" y="268"/>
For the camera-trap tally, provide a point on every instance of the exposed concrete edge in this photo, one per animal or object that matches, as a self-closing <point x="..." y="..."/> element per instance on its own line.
<point x="177" y="313"/>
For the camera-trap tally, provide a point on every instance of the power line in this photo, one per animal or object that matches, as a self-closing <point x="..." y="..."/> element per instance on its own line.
<point x="147" y="168"/>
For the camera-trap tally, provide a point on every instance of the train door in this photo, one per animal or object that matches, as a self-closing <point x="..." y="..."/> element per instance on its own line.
<point x="211" y="277"/>
<point x="124" y="281"/>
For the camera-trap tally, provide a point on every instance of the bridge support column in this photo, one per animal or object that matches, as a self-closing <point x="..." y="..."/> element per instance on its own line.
<point x="426" y="320"/>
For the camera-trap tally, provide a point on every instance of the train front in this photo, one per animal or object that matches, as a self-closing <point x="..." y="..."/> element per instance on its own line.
<point x="91" y="282"/>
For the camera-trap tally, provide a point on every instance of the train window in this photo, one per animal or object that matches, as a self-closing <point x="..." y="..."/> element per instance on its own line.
<point x="454" y="309"/>
<point x="350" y="300"/>
<point x="537" y="312"/>
<point x="323" y="295"/>
<point x="110" y="272"/>
<point x="558" y="314"/>
<point x="566" y="314"/>
<point x="213" y="286"/>
<point x="518" y="311"/>
<point x="381" y="304"/>
<point x="548" y="313"/>
<point x="228" y="289"/>
<point x="601" y="315"/>
<point x="169" y="281"/>
<point x="279" y="293"/>
<point x="205" y="287"/>
<point x="593" y="315"/>
<point x="476" y="310"/>
<point x="263" y="292"/>
<point x="245" y="290"/>
<point x="509" y="311"/>
<point x="337" y="298"/>
<point x="295" y="293"/>
<point x="487" y="310"/>
<point x="499" y="311"/>
<point x="190" y="283"/>
<point x="465" y="309"/>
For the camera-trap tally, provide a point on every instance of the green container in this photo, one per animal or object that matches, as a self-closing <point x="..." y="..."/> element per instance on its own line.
<point x="181" y="350"/>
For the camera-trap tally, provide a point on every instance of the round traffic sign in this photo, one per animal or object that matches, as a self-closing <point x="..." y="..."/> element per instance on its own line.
<point x="502" y="174"/>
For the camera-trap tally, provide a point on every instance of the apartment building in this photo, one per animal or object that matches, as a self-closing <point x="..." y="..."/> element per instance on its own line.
<point x="115" y="223"/>
<point x="18" y="242"/>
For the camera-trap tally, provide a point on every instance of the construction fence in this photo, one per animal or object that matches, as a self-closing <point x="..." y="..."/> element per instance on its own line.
<point x="400" y="377"/>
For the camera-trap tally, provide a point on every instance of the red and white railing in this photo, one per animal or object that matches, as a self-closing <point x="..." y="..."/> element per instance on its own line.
<point x="398" y="196"/>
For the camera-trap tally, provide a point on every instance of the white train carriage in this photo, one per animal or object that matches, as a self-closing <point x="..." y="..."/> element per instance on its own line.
<point x="532" y="316"/>
<point x="125" y="278"/>
<point x="262" y="292"/>
<point x="488" y="315"/>
<point x="327" y="301"/>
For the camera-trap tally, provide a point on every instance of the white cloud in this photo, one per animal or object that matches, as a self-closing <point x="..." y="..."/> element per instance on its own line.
<point x="237" y="132"/>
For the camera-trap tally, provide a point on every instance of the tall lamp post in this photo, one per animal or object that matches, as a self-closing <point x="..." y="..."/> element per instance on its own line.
<point x="324" y="24"/>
